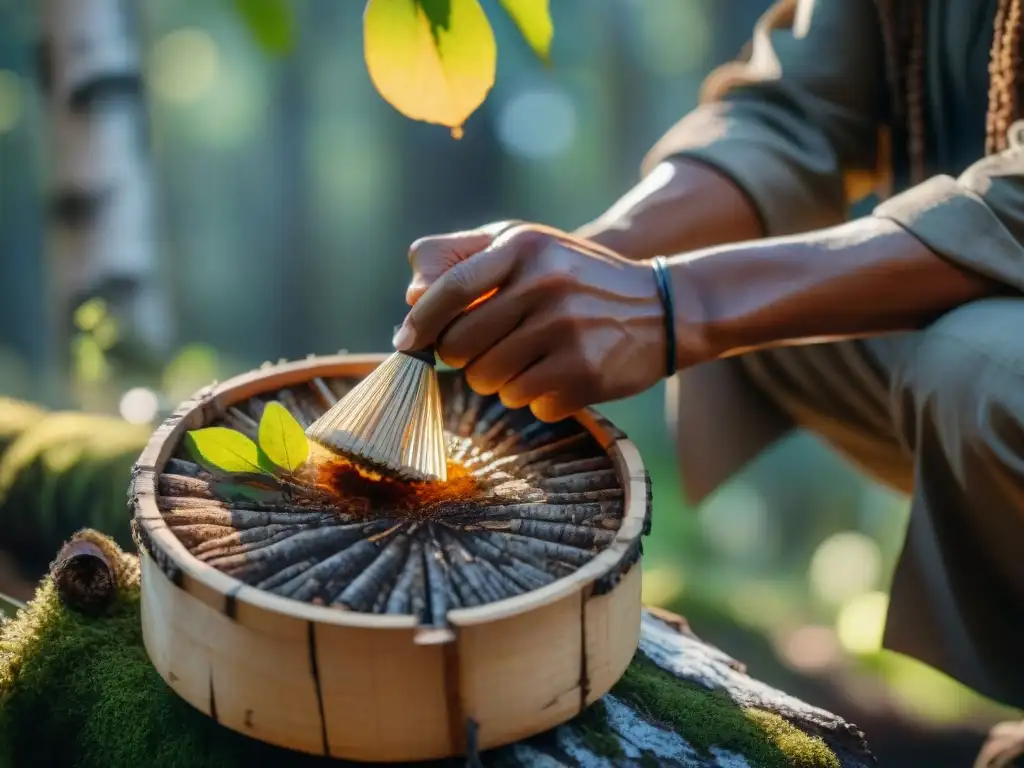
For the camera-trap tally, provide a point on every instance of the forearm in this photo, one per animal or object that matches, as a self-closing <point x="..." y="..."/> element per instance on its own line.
<point x="863" y="278"/>
<point x="680" y="206"/>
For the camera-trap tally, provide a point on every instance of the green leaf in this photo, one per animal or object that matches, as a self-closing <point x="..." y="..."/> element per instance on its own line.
<point x="224" y="449"/>
<point x="270" y="22"/>
<point x="432" y="60"/>
<point x="282" y="438"/>
<point x="243" y="492"/>
<point x="533" y="17"/>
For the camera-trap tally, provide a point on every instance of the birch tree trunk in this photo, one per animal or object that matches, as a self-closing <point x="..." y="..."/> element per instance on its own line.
<point x="102" y="237"/>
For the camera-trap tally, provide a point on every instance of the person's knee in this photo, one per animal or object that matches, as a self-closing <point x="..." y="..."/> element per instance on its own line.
<point x="962" y="383"/>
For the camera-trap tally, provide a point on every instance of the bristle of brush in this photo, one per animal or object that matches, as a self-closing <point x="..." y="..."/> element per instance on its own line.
<point x="391" y="420"/>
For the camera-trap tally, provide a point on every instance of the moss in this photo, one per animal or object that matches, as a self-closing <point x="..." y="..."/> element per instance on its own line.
<point x="711" y="719"/>
<point x="77" y="692"/>
<point x="593" y="726"/>
<point x="60" y="472"/>
<point x="81" y="693"/>
<point x="15" y="418"/>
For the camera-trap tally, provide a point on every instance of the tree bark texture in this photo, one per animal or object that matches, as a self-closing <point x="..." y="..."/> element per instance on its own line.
<point x="102" y="237"/>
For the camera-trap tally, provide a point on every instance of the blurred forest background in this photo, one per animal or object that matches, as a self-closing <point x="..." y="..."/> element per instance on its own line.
<point x="287" y="194"/>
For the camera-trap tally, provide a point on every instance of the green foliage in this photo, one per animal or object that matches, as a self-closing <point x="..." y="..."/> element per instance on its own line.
<point x="82" y="693"/>
<point x="271" y="23"/>
<point x="96" y="333"/>
<point x="220" y="448"/>
<point x="533" y="17"/>
<point x="596" y="733"/>
<point x="282" y="439"/>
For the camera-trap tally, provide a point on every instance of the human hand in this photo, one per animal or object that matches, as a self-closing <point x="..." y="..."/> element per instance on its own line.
<point x="543" y="319"/>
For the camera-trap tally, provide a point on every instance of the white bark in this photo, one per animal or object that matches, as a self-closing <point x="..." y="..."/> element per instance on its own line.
<point x="102" y="220"/>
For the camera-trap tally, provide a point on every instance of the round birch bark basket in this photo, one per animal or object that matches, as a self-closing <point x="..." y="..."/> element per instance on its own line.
<point x="371" y="619"/>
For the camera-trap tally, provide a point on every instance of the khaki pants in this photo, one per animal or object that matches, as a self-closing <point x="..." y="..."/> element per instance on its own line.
<point x="938" y="414"/>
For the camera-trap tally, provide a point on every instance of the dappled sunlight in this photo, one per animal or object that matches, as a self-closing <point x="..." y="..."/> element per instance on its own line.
<point x="184" y="66"/>
<point x="861" y="622"/>
<point x="845" y="565"/>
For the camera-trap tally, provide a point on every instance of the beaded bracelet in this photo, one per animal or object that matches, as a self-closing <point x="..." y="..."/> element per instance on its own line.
<point x="664" y="283"/>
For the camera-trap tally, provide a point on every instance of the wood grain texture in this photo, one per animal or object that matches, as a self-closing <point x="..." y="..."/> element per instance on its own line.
<point x="381" y="687"/>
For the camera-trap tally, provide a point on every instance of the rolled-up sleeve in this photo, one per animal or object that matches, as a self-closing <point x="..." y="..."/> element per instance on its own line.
<point x="975" y="221"/>
<point x="796" y="126"/>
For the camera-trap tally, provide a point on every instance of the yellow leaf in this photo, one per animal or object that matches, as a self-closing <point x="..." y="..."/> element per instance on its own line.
<point x="533" y="17"/>
<point x="432" y="60"/>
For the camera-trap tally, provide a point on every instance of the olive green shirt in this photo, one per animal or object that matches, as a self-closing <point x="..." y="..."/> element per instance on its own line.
<point x="800" y="126"/>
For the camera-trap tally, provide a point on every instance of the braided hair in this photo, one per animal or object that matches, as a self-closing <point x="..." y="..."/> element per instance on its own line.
<point x="903" y="27"/>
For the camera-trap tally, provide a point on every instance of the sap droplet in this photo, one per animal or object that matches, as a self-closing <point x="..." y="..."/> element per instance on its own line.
<point x="457" y="132"/>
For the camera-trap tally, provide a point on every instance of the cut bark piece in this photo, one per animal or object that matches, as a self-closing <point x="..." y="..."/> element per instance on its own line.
<point x="186" y="468"/>
<point x="438" y="589"/>
<point x="183" y="485"/>
<point x="84" y="576"/>
<point x="400" y="599"/>
<point x="468" y="583"/>
<point x="332" y="574"/>
<point x="297" y="547"/>
<point x="245" y="541"/>
<point x="327" y="397"/>
<point x="541" y="549"/>
<point x="419" y="600"/>
<point x="554" y="513"/>
<point x="364" y="591"/>
<point x="243" y="536"/>
<point x="340" y="387"/>
<point x="236" y="419"/>
<point x="563" y="533"/>
<point x="193" y="535"/>
<point x="564" y="468"/>
<point x="470" y="416"/>
<point x="607" y="494"/>
<point x="557" y="448"/>
<point x="600" y="480"/>
<point x="254" y="407"/>
<point x="303" y="409"/>
<point x="249" y="518"/>
<point x="500" y="582"/>
<point x="271" y="583"/>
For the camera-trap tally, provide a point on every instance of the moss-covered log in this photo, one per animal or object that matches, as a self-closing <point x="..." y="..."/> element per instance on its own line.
<point x="61" y="471"/>
<point x="77" y="689"/>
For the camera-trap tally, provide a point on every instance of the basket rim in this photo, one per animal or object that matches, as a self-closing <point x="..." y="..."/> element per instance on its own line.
<point x="214" y="399"/>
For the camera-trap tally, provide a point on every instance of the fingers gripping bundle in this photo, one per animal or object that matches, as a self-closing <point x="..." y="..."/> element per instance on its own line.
<point x="391" y="420"/>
